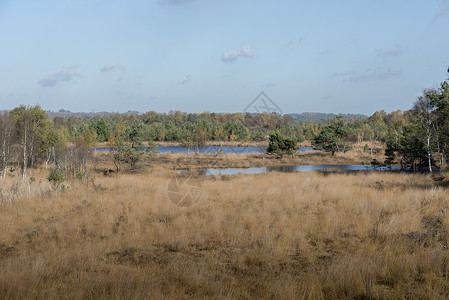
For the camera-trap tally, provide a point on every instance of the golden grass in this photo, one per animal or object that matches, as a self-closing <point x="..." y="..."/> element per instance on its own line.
<point x="300" y="235"/>
<point x="176" y="161"/>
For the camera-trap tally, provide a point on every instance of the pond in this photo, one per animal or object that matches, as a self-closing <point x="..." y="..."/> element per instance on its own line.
<point x="210" y="149"/>
<point x="289" y="169"/>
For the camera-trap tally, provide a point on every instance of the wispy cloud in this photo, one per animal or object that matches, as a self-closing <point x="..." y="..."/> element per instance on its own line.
<point x="268" y="85"/>
<point x="384" y="53"/>
<point x="325" y="52"/>
<point x="187" y="79"/>
<point x="378" y="74"/>
<point x="443" y="9"/>
<point x="296" y="41"/>
<point x="174" y="2"/>
<point x="112" y="67"/>
<point x="233" y="55"/>
<point x="63" y="74"/>
<point x="344" y="74"/>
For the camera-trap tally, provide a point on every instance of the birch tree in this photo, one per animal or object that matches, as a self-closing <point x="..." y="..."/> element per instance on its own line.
<point x="31" y="124"/>
<point x="7" y="135"/>
<point x="423" y="111"/>
<point x="440" y="100"/>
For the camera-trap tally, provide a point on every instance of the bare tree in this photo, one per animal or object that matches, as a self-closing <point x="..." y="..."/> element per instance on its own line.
<point x="7" y="135"/>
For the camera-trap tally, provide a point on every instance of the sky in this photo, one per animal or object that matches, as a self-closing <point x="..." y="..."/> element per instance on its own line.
<point x="348" y="56"/>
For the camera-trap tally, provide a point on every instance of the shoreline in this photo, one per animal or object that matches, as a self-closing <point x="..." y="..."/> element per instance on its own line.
<point x="184" y="161"/>
<point x="210" y="144"/>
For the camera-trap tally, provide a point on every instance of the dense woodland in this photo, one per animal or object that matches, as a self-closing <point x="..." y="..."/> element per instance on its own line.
<point x="417" y="138"/>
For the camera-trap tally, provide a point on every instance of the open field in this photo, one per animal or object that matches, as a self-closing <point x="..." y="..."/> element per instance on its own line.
<point x="301" y="235"/>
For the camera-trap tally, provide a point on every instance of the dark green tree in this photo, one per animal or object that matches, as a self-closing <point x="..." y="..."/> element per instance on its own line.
<point x="196" y="139"/>
<point x="409" y="147"/>
<point x="281" y="145"/>
<point x="128" y="156"/>
<point x="326" y="140"/>
<point x="136" y="133"/>
<point x="237" y="129"/>
<point x="156" y="132"/>
<point x="102" y="129"/>
<point x="334" y="136"/>
<point x="132" y="157"/>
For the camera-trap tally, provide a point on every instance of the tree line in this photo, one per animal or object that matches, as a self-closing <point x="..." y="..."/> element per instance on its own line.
<point x="29" y="137"/>
<point x="190" y="128"/>
<point x="417" y="138"/>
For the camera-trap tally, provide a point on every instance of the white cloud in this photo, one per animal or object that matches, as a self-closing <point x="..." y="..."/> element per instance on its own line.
<point x="187" y="79"/>
<point x="378" y="74"/>
<point x="59" y="75"/>
<point x="384" y="53"/>
<point x="111" y="67"/>
<point x="233" y="55"/>
<point x="443" y="9"/>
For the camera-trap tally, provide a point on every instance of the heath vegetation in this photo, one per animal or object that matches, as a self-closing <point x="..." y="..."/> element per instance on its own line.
<point x="416" y="138"/>
<point x="75" y="224"/>
<point x="301" y="235"/>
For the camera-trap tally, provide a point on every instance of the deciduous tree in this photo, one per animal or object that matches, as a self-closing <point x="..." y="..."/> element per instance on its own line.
<point x="7" y="136"/>
<point x="31" y="124"/>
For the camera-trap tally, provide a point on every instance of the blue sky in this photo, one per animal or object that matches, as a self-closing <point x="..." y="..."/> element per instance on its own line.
<point x="207" y="55"/>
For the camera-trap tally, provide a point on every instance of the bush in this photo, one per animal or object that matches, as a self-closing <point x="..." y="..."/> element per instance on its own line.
<point x="80" y="175"/>
<point x="56" y="175"/>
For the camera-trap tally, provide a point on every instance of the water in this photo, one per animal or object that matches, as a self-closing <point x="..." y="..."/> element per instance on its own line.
<point x="211" y="149"/>
<point x="290" y="169"/>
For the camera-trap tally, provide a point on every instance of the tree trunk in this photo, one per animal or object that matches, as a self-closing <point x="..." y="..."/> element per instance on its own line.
<point x="54" y="154"/>
<point x="24" y="171"/>
<point x="428" y="149"/>
<point x="31" y="154"/>
<point x="48" y="159"/>
<point x="360" y="139"/>
<point x="4" y="164"/>
<point x="440" y="154"/>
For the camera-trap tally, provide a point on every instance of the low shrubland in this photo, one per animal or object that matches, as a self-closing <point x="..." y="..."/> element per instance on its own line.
<point x="301" y="235"/>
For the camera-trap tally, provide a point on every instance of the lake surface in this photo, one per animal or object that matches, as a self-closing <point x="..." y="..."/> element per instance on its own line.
<point x="211" y="149"/>
<point x="289" y="169"/>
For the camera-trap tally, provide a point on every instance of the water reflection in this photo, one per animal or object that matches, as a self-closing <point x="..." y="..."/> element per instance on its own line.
<point x="210" y="149"/>
<point x="290" y="169"/>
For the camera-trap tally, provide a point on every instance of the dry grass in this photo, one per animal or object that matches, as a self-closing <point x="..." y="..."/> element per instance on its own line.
<point x="230" y="160"/>
<point x="177" y="161"/>
<point x="300" y="235"/>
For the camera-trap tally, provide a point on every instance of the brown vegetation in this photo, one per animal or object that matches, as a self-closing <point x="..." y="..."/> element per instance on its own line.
<point x="301" y="235"/>
<point x="181" y="161"/>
